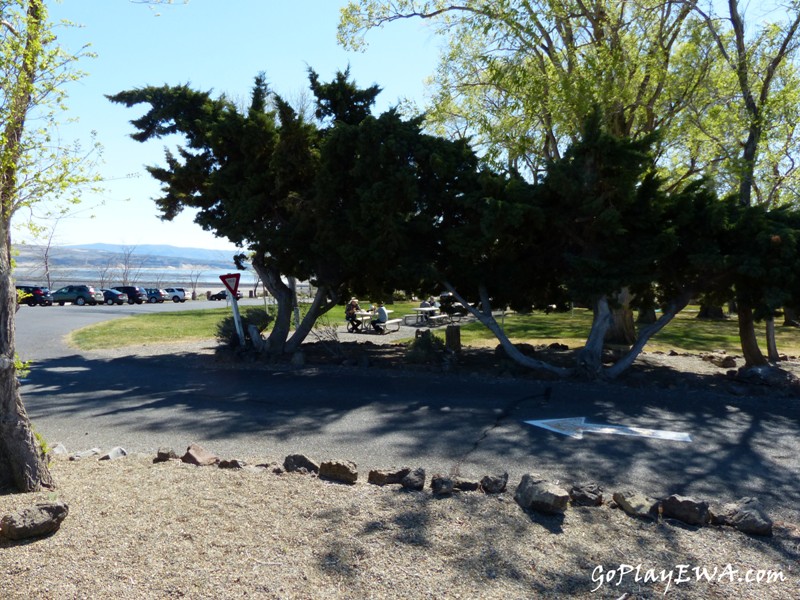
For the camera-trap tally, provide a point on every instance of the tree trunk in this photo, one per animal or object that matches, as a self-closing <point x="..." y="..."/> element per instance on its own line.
<point x="772" y="345"/>
<point x="276" y="341"/>
<point x="747" y="335"/>
<point x="484" y="315"/>
<point x="645" y="333"/>
<point x="711" y="312"/>
<point x="621" y="328"/>
<point x="324" y="300"/>
<point x="22" y="464"/>
<point x="590" y="358"/>
<point x="789" y="317"/>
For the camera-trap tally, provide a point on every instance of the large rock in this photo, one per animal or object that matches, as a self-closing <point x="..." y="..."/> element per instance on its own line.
<point x="747" y="515"/>
<point x="299" y="463"/>
<point x="343" y="471"/>
<point x="685" y="509"/>
<point x="637" y="504"/>
<point x="197" y="455"/>
<point x="41" y="519"/>
<point x="534" y="493"/>
<point x="387" y="477"/>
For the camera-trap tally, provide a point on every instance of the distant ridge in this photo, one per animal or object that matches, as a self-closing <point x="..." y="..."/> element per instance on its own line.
<point x="163" y="250"/>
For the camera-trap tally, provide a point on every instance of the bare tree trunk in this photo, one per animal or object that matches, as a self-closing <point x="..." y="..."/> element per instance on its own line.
<point x="324" y="300"/>
<point x="672" y="309"/>
<point x="590" y="358"/>
<point x="276" y="341"/>
<point x="484" y="315"/>
<point x="621" y="328"/>
<point x="747" y="335"/>
<point x="772" y="345"/>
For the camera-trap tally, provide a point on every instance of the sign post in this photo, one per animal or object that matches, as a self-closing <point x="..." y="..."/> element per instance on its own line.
<point x="231" y="283"/>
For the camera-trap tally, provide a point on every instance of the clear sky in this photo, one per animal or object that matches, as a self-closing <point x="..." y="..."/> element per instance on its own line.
<point x="217" y="45"/>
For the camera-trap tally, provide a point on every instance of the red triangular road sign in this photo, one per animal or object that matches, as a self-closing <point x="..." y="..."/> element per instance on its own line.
<point x="231" y="281"/>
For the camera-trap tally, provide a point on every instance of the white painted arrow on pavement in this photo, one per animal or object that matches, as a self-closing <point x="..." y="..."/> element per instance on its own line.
<point x="576" y="426"/>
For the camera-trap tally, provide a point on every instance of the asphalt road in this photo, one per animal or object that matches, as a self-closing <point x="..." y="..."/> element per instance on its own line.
<point x="379" y="419"/>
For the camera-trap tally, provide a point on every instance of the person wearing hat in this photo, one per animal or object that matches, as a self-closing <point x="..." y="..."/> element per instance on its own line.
<point x="351" y="316"/>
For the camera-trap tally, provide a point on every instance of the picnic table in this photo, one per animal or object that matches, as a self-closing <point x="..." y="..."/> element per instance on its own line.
<point x="366" y="316"/>
<point x="424" y="312"/>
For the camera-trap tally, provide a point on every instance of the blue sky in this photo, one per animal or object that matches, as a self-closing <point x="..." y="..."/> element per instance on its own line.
<point x="217" y="45"/>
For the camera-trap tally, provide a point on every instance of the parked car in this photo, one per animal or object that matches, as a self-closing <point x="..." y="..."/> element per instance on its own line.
<point x="176" y="294"/>
<point x="78" y="294"/>
<point x="114" y="297"/>
<point x="34" y="295"/>
<point x="135" y="293"/>
<point x="223" y="295"/>
<point x="156" y="295"/>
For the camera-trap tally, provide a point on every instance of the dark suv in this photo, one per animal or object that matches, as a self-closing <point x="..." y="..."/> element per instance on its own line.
<point x="78" y="294"/>
<point x="34" y="295"/>
<point x="135" y="293"/>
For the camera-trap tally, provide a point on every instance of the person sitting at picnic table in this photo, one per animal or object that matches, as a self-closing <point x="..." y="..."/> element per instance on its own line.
<point x="350" y="313"/>
<point x="381" y="316"/>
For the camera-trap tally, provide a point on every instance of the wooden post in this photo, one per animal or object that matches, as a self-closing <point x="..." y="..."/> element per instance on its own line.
<point x="452" y="338"/>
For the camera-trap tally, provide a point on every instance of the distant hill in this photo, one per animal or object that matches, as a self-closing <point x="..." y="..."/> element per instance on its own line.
<point x="92" y="263"/>
<point x="200" y="255"/>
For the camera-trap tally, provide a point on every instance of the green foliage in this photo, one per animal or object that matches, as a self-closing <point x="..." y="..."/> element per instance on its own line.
<point x="226" y="328"/>
<point x="425" y="349"/>
<point x="22" y="368"/>
<point x="41" y="442"/>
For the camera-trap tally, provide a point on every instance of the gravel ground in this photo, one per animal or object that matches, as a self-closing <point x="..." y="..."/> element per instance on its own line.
<point x="141" y="530"/>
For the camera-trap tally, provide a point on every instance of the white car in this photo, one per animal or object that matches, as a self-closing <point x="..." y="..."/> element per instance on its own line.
<point x="176" y="294"/>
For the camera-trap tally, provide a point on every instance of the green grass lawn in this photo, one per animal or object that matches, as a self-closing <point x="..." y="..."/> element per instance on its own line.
<point x="684" y="334"/>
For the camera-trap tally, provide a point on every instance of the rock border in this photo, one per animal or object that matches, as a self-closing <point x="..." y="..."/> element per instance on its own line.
<point x="533" y="493"/>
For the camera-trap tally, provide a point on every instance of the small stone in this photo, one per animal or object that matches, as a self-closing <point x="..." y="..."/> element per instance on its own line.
<point x="59" y="450"/>
<point x="42" y="519"/>
<point x="466" y="485"/>
<point x="164" y="455"/>
<point x="494" y="484"/>
<point x="298" y="462"/>
<point x="234" y="463"/>
<point x="636" y="504"/>
<point x="378" y="477"/>
<point x="442" y="485"/>
<point x="586" y="494"/>
<point x="114" y="453"/>
<point x="199" y="456"/>
<point x="343" y="471"/>
<point x="415" y="480"/>
<point x="85" y="454"/>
